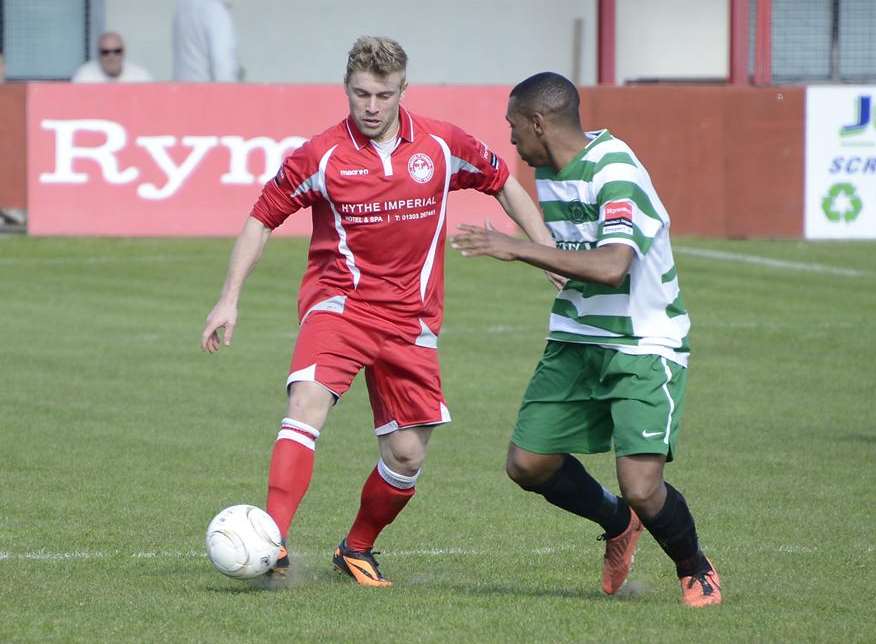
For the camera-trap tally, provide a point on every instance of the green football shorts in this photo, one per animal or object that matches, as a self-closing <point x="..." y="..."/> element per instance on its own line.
<point x="583" y="396"/>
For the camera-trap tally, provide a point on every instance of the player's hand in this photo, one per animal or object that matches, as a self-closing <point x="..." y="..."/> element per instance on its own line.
<point x="558" y="281"/>
<point x="223" y="316"/>
<point x="472" y="241"/>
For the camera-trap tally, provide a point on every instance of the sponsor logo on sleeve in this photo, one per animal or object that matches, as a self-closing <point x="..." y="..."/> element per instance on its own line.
<point x="488" y="156"/>
<point x="618" y="217"/>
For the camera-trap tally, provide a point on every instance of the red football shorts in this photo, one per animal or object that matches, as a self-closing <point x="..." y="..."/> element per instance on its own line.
<point x="404" y="379"/>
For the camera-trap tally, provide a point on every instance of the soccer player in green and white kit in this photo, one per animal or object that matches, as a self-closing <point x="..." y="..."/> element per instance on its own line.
<point x="615" y="366"/>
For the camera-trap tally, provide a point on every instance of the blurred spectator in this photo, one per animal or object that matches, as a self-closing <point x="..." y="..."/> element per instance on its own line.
<point x="204" y="42"/>
<point x="111" y="65"/>
<point x="10" y="218"/>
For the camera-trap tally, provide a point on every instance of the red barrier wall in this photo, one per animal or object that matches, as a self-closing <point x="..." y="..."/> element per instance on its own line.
<point x="726" y="161"/>
<point x="167" y="159"/>
<point x="765" y="162"/>
<point x="13" y="146"/>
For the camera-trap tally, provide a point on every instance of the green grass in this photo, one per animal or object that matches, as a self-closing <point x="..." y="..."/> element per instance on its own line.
<point x="119" y="440"/>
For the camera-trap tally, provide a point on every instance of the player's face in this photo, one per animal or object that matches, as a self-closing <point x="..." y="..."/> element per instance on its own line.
<point x="374" y="102"/>
<point x="525" y="138"/>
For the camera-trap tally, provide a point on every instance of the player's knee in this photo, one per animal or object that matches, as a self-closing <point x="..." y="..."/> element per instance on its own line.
<point x="641" y="491"/>
<point x="529" y="474"/>
<point x="407" y="462"/>
<point x="404" y="455"/>
<point x="400" y="480"/>
<point x="309" y="402"/>
<point x="405" y="450"/>
<point x="515" y="472"/>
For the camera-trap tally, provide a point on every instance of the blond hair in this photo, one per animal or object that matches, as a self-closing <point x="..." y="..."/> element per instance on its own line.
<point x="378" y="55"/>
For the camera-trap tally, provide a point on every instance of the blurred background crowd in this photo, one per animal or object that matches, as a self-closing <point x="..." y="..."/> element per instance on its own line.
<point x="455" y="41"/>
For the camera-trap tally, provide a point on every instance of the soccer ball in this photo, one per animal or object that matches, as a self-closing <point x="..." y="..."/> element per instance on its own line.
<point x="243" y="542"/>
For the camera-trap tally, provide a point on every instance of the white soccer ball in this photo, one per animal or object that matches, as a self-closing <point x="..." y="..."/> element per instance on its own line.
<point x="243" y="541"/>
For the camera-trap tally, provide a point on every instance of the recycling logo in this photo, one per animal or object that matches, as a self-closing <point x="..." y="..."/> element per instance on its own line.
<point x="842" y="203"/>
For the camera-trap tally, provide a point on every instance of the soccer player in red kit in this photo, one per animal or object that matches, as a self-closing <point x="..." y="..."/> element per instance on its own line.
<point x="372" y="296"/>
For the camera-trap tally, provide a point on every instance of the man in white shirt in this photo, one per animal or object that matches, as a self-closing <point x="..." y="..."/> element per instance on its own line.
<point x="204" y="42"/>
<point x="111" y="67"/>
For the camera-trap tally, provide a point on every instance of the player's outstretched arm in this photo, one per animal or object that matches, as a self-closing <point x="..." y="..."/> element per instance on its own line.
<point x="247" y="251"/>
<point x="520" y="207"/>
<point x="607" y="264"/>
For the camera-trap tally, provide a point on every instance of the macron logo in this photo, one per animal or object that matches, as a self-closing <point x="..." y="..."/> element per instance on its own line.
<point x="355" y="172"/>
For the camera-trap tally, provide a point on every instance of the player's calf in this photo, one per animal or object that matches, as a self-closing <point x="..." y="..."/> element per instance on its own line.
<point x="675" y="531"/>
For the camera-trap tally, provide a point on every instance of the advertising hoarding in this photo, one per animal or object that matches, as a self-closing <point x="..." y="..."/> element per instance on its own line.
<point x="841" y="162"/>
<point x="190" y="159"/>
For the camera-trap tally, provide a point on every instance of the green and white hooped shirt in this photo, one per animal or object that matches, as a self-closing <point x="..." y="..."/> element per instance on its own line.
<point x="605" y="196"/>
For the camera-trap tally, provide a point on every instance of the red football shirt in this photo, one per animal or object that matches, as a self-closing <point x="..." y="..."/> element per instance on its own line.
<point x="379" y="220"/>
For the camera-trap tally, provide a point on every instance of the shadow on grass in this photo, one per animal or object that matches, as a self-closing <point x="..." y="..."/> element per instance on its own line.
<point x="311" y="576"/>
<point x="858" y="438"/>
<point x="500" y="590"/>
<point x="480" y="590"/>
<point x="299" y="576"/>
<point x="630" y="591"/>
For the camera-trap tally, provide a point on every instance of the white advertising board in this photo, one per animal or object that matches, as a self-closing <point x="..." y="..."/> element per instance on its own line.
<point x="841" y="162"/>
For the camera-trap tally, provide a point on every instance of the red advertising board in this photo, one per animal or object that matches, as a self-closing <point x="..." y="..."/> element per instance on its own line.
<point x="169" y="159"/>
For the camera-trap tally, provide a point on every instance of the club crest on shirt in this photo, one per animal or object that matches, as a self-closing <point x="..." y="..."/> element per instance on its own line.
<point x="420" y="167"/>
<point x="578" y="213"/>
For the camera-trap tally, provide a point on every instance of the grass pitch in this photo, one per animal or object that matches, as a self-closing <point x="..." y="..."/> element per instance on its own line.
<point x="119" y="440"/>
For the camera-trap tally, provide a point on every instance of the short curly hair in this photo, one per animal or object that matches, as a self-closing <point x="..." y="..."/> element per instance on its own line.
<point x="549" y="94"/>
<point x="378" y="55"/>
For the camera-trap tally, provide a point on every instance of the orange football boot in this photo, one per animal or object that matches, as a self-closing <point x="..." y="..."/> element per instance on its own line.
<point x="702" y="589"/>
<point x="619" y="554"/>
<point x="361" y="566"/>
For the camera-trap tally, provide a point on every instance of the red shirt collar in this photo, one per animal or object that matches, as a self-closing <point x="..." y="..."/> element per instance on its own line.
<point x="405" y="131"/>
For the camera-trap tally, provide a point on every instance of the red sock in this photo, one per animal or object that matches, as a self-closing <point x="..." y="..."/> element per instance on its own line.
<point x="291" y="471"/>
<point x="380" y="504"/>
